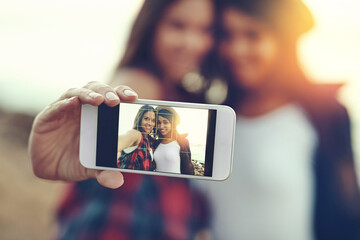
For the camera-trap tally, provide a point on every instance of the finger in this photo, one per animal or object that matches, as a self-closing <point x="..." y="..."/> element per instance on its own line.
<point x="56" y="111"/>
<point x="86" y="96"/>
<point x="110" y="179"/>
<point x="126" y="94"/>
<point x="110" y="96"/>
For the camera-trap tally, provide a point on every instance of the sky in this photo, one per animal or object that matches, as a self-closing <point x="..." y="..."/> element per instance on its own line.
<point x="47" y="47"/>
<point x="330" y="52"/>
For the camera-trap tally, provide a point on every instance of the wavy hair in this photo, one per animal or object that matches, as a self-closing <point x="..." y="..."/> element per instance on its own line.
<point x="139" y="116"/>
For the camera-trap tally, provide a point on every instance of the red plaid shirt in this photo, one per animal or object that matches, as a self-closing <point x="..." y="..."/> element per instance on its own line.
<point x="145" y="207"/>
<point x="140" y="158"/>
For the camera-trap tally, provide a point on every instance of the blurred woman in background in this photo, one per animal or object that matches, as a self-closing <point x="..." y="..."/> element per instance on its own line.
<point x="169" y="40"/>
<point x="293" y="175"/>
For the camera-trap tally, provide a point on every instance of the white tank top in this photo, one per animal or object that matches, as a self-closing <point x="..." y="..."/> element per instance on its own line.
<point x="269" y="194"/>
<point x="167" y="157"/>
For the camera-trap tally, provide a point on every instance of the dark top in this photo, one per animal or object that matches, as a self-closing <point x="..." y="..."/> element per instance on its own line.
<point x="337" y="198"/>
<point x="186" y="166"/>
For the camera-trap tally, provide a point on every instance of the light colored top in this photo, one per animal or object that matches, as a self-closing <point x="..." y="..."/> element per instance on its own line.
<point x="270" y="192"/>
<point x="130" y="149"/>
<point x="167" y="157"/>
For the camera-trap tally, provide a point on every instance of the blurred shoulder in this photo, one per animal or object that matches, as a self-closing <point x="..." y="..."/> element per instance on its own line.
<point x="322" y="103"/>
<point x="323" y="97"/>
<point x="147" y="85"/>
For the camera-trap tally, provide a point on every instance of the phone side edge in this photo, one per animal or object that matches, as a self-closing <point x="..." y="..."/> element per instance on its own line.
<point x="179" y="104"/>
<point x="88" y="136"/>
<point x="224" y="144"/>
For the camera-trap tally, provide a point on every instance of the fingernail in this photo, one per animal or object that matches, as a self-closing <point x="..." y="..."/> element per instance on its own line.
<point x="130" y="93"/>
<point x="94" y="95"/>
<point x="111" y="96"/>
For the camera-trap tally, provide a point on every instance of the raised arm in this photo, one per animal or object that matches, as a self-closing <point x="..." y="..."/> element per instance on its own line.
<point x="129" y="139"/>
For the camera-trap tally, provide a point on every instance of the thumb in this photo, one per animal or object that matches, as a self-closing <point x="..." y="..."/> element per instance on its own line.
<point x="110" y="179"/>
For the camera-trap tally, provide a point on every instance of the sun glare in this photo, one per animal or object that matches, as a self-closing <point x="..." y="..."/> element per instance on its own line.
<point x="330" y="53"/>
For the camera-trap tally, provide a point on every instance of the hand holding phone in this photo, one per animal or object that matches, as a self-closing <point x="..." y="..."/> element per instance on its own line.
<point x="54" y="138"/>
<point x="159" y="138"/>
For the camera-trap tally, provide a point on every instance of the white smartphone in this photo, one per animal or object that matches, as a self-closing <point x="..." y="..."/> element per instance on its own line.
<point x="160" y="138"/>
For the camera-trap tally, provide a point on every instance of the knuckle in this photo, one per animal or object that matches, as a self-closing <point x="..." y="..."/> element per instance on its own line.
<point x="71" y="90"/>
<point x="38" y="171"/>
<point x="121" y="87"/>
<point x="68" y="92"/>
<point x="91" y="83"/>
<point x="99" y="87"/>
<point x="104" y="89"/>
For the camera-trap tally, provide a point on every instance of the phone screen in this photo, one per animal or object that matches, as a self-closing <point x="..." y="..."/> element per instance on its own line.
<point x="172" y="140"/>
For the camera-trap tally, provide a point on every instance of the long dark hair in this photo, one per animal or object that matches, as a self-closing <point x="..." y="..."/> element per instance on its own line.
<point x="288" y="20"/>
<point x="138" y="51"/>
<point x="139" y="45"/>
<point x="139" y="116"/>
<point x="173" y="117"/>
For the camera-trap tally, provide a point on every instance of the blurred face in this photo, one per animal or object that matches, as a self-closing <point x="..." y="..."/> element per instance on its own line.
<point x="164" y="126"/>
<point x="249" y="48"/>
<point x="183" y="37"/>
<point x="148" y="122"/>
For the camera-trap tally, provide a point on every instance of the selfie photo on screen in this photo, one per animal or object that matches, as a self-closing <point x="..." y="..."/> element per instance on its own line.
<point x="168" y="139"/>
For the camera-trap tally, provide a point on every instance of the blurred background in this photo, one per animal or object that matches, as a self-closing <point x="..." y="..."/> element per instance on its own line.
<point x="47" y="47"/>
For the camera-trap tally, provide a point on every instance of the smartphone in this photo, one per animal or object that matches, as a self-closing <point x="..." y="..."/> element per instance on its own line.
<point x="160" y="138"/>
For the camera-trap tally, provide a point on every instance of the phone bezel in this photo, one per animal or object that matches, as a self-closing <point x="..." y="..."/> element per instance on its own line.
<point x="223" y="144"/>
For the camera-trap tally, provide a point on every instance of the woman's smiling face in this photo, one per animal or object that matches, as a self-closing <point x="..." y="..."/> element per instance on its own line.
<point x="148" y="122"/>
<point x="249" y="48"/>
<point x="184" y="37"/>
<point x="164" y="126"/>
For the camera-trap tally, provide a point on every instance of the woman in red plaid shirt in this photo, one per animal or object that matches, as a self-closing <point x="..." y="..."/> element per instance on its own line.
<point x="169" y="39"/>
<point x="136" y="147"/>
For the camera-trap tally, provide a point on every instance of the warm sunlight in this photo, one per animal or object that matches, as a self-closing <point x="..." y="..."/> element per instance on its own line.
<point x="331" y="53"/>
<point x="192" y="122"/>
<point x="48" y="47"/>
